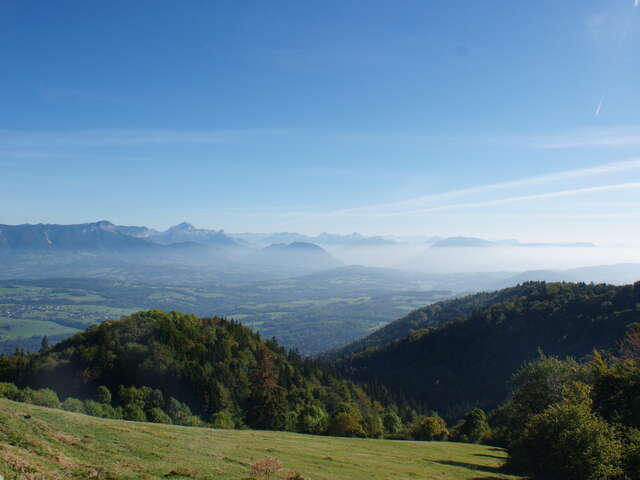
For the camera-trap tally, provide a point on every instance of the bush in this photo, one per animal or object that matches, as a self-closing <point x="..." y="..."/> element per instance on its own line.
<point x="9" y="390"/>
<point x="104" y="395"/>
<point x="373" y="425"/>
<point x="392" y="422"/>
<point x="535" y="387"/>
<point x="567" y="442"/>
<point x="295" y="476"/>
<point x="101" y="410"/>
<point x="223" y="419"/>
<point x="73" y="405"/>
<point x="265" y="469"/>
<point x="345" y="424"/>
<point x="313" y="419"/>
<point x="45" y="398"/>
<point x="157" y="415"/>
<point x="134" y="413"/>
<point x="429" y="429"/>
<point x="25" y="395"/>
<point x="179" y="412"/>
<point x="474" y="427"/>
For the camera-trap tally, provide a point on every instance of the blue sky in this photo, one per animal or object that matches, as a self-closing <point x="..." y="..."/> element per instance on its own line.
<point x="499" y="119"/>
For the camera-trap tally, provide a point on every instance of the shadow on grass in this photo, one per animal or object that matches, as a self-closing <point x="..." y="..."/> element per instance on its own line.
<point x="470" y="466"/>
<point x="487" y="478"/>
<point x="489" y="456"/>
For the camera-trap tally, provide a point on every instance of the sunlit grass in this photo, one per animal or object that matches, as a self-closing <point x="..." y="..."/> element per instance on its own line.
<point x="66" y="445"/>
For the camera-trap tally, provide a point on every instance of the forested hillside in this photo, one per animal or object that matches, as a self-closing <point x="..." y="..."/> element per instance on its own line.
<point x="430" y="316"/>
<point x="154" y="365"/>
<point x="469" y="361"/>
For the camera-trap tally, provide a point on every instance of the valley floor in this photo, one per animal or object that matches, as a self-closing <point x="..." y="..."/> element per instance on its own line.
<point x="54" y="444"/>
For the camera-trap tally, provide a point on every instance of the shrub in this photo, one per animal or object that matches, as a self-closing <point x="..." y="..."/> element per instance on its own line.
<point x="134" y="413"/>
<point x="93" y="408"/>
<point x="45" y="398"/>
<point x="567" y="442"/>
<point x="223" y="419"/>
<point x="474" y="427"/>
<point x="73" y="405"/>
<point x="104" y="395"/>
<point x="345" y="424"/>
<point x="9" y="390"/>
<point x="101" y="410"/>
<point x="313" y="419"/>
<point x="392" y="422"/>
<point x="295" y="476"/>
<point x="430" y="428"/>
<point x="25" y="395"/>
<point x="535" y="387"/>
<point x="157" y="415"/>
<point x="264" y="469"/>
<point x="179" y="412"/>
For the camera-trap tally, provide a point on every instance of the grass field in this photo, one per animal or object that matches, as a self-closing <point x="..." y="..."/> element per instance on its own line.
<point x="54" y="444"/>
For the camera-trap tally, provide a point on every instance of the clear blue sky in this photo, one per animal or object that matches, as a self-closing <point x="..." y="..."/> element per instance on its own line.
<point x="489" y="118"/>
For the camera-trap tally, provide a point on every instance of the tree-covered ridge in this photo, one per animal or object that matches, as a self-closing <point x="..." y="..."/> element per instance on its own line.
<point x="223" y="371"/>
<point x="468" y="362"/>
<point x="430" y="316"/>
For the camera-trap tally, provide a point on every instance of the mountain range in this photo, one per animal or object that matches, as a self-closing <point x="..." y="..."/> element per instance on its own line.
<point x="104" y="235"/>
<point x="472" y="242"/>
<point x="185" y="254"/>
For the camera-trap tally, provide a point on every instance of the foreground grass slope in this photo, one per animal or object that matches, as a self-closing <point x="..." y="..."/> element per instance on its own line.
<point x="54" y="444"/>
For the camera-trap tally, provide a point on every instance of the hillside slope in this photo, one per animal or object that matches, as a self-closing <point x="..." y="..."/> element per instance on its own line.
<point x="61" y="445"/>
<point x="431" y="316"/>
<point x="469" y="361"/>
<point x="213" y="365"/>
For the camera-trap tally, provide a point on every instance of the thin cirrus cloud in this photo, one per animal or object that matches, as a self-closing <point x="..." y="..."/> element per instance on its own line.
<point x="125" y="137"/>
<point x="524" y="198"/>
<point x="614" y="137"/>
<point x="425" y="204"/>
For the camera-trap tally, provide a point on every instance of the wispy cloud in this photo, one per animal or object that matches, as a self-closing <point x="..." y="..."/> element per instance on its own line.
<point x="126" y="137"/>
<point x="406" y="205"/>
<point x="524" y="198"/>
<point x="597" y="113"/>
<point x="614" y="137"/>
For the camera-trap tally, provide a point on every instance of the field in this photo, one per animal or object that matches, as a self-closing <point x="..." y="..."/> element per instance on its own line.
<point x="54" y="444"/>
<point x="312" y="314"/>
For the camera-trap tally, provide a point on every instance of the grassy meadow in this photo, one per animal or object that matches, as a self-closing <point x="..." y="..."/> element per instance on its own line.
<point x="54" y="444"/>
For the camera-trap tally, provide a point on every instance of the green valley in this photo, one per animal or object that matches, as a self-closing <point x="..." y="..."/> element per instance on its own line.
<point x="313" y="313"/>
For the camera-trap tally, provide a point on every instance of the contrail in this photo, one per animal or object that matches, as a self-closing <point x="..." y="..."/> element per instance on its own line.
<point x="603" y="169"/>
<point x="523" y="198"/>
<point x="597" y="114"/>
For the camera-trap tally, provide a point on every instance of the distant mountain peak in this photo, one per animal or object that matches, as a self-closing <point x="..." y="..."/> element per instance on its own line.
<point x="105" y="225"/>
<point x="463" y="242"/>
<point x="182" y="227"/>
<point x="307" y="245"/>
